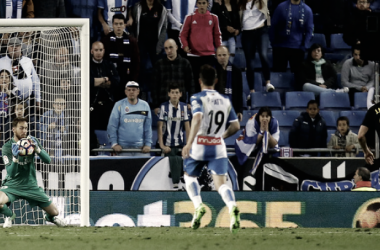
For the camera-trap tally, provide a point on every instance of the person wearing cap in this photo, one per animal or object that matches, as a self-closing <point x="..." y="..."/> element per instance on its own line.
<point x="130" y="123"/>
<point x="24" y="74"/>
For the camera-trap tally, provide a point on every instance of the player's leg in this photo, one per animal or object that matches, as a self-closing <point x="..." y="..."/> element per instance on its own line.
<point x="52" y="215"/>
<point x="192" y="170"/>
<point x="219" y="169"/>
<point x="4" y="209"/>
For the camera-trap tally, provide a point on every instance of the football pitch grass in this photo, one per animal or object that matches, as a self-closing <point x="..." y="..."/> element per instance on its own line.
<point x="174" y="238"/>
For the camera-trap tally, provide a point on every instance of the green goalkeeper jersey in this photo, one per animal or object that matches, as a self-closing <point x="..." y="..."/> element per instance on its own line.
<point x="23" y="173"/>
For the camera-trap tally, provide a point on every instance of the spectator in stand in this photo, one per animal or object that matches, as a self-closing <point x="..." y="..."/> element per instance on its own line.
<point x="150" y="24"/>
<point x="24" y="74"/>
<point x="229" y="23"/>
<point x="362" y="179"/>
<point x="9" y="94"/>
<point x="122" y="50"/>
<point x="49" y="9"/>
<point x="54" y="126"/>
<point x="177" y="11"/>
<point x="230" y="81"/>
<point x="199" y="36"/>
<point x="104" y="82"/>
<point x="108" y="8"/>
<point x="309" y="130"/>
<point x="172" y="69"/>
<point x="316" y="74"/>
<point x="357" y="73"/>
<point x="292" y="28"/>
<point x="344" y="138"/>
<point x="130" y="124"/>
<point x="17" y="9"/>
<point x="173" y="120"/>
<point x="255" y="21"/>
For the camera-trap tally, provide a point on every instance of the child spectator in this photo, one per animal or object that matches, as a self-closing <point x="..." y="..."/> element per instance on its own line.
<point x="344" y="138"/>
<point x="173" y="119"/>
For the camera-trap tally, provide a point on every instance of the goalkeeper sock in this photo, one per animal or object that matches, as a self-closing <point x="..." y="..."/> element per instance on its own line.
<point x="193" y="190"/>
<point x="228" y="196"/>
<point x="6" y="211"/>
<point x="49" y="218"/>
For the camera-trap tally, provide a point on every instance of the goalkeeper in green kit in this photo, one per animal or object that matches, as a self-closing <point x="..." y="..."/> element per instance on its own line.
<point x="20" y="181"/>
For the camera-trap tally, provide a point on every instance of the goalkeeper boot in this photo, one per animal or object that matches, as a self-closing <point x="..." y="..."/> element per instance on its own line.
<point x="199" y="212"/>
<point x="8" y="221"/>
<point x="235" y="220"/>
<point x="59" y="222"/>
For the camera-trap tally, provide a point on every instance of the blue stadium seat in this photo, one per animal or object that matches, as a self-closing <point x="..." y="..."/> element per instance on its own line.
<point x="298" y="100"/>
<point x="360" y="100"/>
<point x="244" y="96"/>
<point x="230" y="141"/>
<point x="318" y="38"/>
<point x="282" y="80"/>
<point x="355" y="117"/>
<point x="238" y="41"/>
<point x="285" y="118"/>
<point x="339" y="80"/>
<point x="329" y="117"/>
<point x="334" y="101"/>
<point x="329" y="133"/>
<point x="337" y="43"/>
<point x="258" y="83"/>
<point x="284" y="137"/>
<point x="246" y="115"/>
<point x="103" y="140"/>
<point x="262" y="99"/>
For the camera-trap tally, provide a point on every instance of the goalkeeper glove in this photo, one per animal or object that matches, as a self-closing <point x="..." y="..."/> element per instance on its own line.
<point x="34" y="143"/>
<point x="15" y="149"/>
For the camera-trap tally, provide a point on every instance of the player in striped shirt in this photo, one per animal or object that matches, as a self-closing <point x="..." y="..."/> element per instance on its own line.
<point x="211" y="113"/>
<point x="173" y="119"/>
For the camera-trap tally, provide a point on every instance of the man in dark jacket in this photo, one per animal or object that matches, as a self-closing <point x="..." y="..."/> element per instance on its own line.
<point x="122" y="50"/>
<point x="230" y="81"/>
<point x="309" y="130"/>
<point x="104" y="80"/>
<point x="172" y="69"/>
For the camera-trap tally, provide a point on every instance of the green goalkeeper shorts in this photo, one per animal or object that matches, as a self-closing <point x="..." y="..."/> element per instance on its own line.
<point x="34" y="195"/>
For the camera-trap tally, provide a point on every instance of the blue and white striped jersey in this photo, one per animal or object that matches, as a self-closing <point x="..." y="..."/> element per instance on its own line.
<point x="178" y="10"/>
<point x="112" y="7"/>
<point x="217" y="111"/>
<point x="174" y="120"/>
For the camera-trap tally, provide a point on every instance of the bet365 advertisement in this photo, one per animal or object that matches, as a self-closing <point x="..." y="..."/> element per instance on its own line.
<point x="258" y="209"/>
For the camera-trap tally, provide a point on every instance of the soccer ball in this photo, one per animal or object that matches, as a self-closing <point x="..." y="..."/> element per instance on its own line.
<point x="25" y="147"/>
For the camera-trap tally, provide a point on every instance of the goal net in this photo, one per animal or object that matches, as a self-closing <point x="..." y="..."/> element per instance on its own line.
<point x="43" y="78"/>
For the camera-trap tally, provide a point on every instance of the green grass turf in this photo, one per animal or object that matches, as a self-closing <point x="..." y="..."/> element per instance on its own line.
<point x="53" y="238"/>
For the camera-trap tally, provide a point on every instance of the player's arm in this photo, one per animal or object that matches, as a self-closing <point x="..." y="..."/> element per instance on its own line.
<point x="187" y="129"/>
<point x="195" y="125"/>
<point x="10" y="159"/>
<point x="41" y="152"/>
<point x="232" y="129"/>
<point x="369" y="158"/>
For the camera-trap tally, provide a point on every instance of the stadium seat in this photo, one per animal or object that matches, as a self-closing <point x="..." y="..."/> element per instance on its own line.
<point x="284" y="137"/>
<point x="329" y="133"/>
<point x="318" y="38"/>
<point x="246" y="115"/>
<point x="263" y="99"/>
<point x="238" y="41"/>
<point x="282" y="80"/>
<point x="244" y="98"/>
<point x="230" y="141"/>
<point x="258" y="83"/>
<point x="334" y="101"/>
<point x="339" y="80"/>
<point x="337" y="43"/>
<point x="355" y="117"/>
<point x="360" y="100"/>
<point x="103" y="140"/>
<point x="298" y="100"/>
<point x="330" y="118"/>
<point x="285" y="118"/>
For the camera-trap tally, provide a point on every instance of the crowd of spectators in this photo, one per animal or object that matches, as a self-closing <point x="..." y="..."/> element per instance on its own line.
<point x="141" y="49"/>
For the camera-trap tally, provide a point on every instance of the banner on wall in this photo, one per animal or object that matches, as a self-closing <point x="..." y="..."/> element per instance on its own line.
<point x="286" y="174"/>
<point x="258" y="209"/>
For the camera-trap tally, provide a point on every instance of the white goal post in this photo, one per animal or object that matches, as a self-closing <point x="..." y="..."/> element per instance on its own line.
<point x="82" y="25"/>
